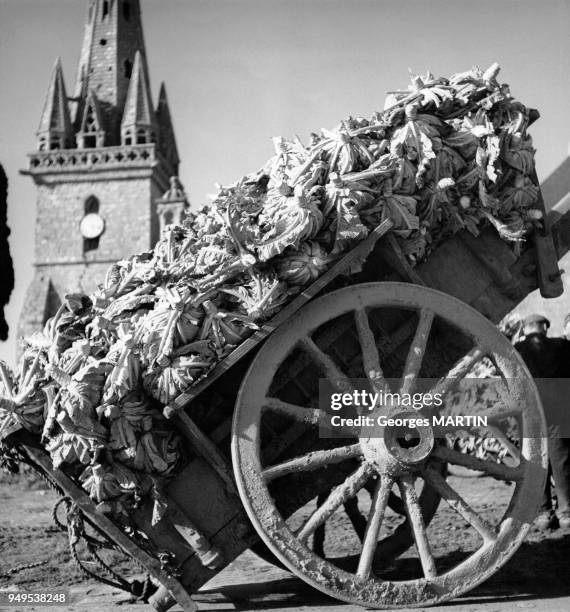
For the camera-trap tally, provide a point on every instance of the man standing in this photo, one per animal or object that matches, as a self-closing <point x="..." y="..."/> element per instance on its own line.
<point x="549" y="358"/>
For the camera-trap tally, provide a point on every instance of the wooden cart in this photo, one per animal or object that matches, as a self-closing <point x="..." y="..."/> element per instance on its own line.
<point x="370" y="316"/>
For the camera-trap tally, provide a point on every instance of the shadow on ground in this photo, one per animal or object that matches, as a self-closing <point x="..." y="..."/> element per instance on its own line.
<point x="537" y="570"/>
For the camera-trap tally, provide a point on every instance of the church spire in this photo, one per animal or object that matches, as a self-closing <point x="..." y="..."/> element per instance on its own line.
<point x="138" y="125"/>
<point x="95" y="182"/>
<point x="112" y="106"/>
<point x="54" y="131"/>
<point x="168" y="146"/>
<point x="113" y="36"/>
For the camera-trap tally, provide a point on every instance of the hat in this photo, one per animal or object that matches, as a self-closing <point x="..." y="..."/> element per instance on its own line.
<point x="536" y="318"/>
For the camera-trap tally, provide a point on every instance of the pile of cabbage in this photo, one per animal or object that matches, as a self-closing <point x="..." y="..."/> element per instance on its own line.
<point x="445" y="155"/>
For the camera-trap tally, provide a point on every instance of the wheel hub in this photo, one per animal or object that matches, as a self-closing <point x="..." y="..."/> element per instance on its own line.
<point x="399" y="449"/>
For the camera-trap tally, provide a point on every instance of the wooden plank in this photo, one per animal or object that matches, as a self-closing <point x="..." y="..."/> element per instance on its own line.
<point x="496" y="257"/>
<point x="549" y="275"/>
<point x="196" y="490"/>
<point x="87" y="507"/>
<point x="393" y="254"/>
<point x="559" y="222"/>
<point x="207" y="449"/>
<point x="355" y="256"/>
<point x="451" y="268"/>
<point x="493" y="303"/>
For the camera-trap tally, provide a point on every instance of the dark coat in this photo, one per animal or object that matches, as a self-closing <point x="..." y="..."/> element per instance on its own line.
<point x="6" y="269"/>
<point x="548" y="360"/>
<point x="545" y="357"/>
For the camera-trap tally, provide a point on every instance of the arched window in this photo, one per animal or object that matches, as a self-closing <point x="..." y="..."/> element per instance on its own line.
<point x="141" y="136"/>
<point x="91" y="205"/>
<point x="105" y="9"/>
<point x="90" y="130"/>
<point x="126" y="11"/>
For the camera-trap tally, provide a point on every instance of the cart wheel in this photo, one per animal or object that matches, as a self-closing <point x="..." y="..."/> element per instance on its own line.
<point x="427" y="577"/>
<point x="391" y="546"/>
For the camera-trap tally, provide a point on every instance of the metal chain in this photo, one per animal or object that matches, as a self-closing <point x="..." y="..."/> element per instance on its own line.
<point x="141" y="590"/>
<point x="101" y="564"/>
<point x="76" y="532"/>
<point x="20" y="568"/>
<point x="54" y="516"/>
<point x="86" y="572"/>
<point x="90" y="540"/>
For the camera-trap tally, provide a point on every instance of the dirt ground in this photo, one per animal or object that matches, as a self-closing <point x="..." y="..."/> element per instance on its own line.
<point x="537" y="577"/>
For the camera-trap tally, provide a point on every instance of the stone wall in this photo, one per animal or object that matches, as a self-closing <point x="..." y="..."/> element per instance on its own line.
<point x="126" y="201"/>
<point x="50" y="285"/>
<point x="126" y="205"/>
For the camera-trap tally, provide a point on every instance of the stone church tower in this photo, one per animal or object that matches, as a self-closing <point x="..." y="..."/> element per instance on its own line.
<point x="104" y="159"/>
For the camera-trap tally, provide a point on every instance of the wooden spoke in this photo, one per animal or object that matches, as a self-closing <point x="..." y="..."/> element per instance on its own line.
<point x="312" y="461"/>
<point x="349" y="488"/>
<point x="499" y="412"/>
<point x="370" y="356"/>
<point x="309" y="416"/>
<point x="326" y="365"/>
<point x="414" y="513"/>
<point x="455" y="501"/>
<point x="377" y="509"/>
<point x="459" y="370"/>
<point x="496" y="470"/>
<point x="499" y="435"/>
<point x="417" y="350"/>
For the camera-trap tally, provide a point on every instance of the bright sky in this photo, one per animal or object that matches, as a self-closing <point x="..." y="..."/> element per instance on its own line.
<point x="240" y="71"/>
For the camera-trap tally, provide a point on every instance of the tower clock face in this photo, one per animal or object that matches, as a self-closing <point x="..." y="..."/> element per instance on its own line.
<point x="92" y="226"/>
